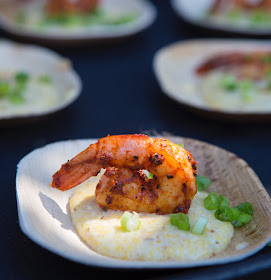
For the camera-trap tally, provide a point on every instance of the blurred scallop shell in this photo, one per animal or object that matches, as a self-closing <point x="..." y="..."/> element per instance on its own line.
<point x="185" y="9"/>
<point x="175" y="66"/>
<point x="37" y="61"/>
<point x="145" y="11"/>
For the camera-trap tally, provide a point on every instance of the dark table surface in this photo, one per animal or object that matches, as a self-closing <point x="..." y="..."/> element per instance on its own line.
<point x="121" y="95"/>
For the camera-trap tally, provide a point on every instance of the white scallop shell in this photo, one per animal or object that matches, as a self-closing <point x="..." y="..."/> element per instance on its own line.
<point x="143" y="8"/>
<point x="44" y="216"/>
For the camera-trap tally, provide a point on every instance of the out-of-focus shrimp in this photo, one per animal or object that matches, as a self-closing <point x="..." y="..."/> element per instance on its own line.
<point x="221" y="6"/>
<point x="55" y="7"/>
<point x="252" y="65"/>
<point x="124" y="185"/>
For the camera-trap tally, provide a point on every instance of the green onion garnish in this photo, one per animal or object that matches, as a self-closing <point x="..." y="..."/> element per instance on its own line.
<point x="225" y="214"/>
<point x="211" y="201"/>
<point x="244" y="214"/>
<point x="223" y="201"/>
<point x="130" y="222"/>
<point x="181" y="145"/>
<point x="259" y="17"/>
<point x="200" y="225"/>
<point x="202" y="183"/>
<point x="16" y="98"/>
<point x="246" y="207"/>
<point x="238" y="215"/>
<point x="180" y="220"/>
<point x="21" y="77"/>
<point x="229" y="83"/>
<point x="44" y="79"/>
<point x="4" y="88"/>
<point x="266" y="58"/>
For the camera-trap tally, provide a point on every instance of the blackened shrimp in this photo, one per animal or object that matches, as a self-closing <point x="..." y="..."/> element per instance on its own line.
<point x="124" y="186"/>
<point x="253" y="65"/>
<point x="63" y="7"/>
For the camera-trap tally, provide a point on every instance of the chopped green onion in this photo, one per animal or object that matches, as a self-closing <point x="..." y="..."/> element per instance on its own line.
<point x="200" y="225"/>
<point x="244" y="218"/>
<point x="259" y="16"/>
<point x="235" y="213"/>
<point x="247" y="92"/>
<point x="236" y="223"/>
<point x="248" y="96"/>
<point x="4" y="88"/>
<point x="97" y="17"/>
<point x="244" y="214"/>
<point x="238" y="215"/>
<point x="180" y="220"/>
<point x="21" y="77"/>
<point x="234" y="14"/>
<point x="266" y="58"/>
<point x="44" y="79"/>
<point x="211" y="201"/>
<point x="246" y="207"/>
<point x="181" y="145"/>
<point x="246" y="85"/>
<point x="121" y="19"/>
<point x="16" y="99"/>
<point x="223" y="201"/>
<point x="202" y="183"/>
<point x="130" y="222"/>
<point x="229" y="83"/>
<point x="150" y="175"/>
<point x="225" y="214"/>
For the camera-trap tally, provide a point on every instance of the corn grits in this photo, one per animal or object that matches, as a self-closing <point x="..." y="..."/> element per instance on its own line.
<point x="155" y="240"/>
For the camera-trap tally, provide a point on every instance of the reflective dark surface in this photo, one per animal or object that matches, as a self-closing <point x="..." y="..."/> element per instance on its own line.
<point x="120" y="95"/>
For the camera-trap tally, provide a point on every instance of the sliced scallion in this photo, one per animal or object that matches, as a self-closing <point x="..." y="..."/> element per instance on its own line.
<point x="202" y="183"/>
<point x="44" y="79"/>
<point x="211" y="201"/>
<point x="200" y="225"/>
<point x="223" y="201"/>
<point x="229" y="83"/>
<point x="129" y="221"/>
<point x="180" y="220"/>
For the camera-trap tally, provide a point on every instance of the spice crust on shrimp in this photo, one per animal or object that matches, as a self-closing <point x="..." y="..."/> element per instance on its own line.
<point x="124" y="185"/>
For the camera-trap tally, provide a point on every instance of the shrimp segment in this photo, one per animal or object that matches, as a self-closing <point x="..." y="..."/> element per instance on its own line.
<point x="124" y="186"/>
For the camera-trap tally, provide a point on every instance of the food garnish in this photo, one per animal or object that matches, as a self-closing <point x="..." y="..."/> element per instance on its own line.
<point x="70" y="14"/>
<point x="202" y="183"/>
<point x="14" y="85"/>
<point x="244" y="13"/>
<point x="238" y="215"/>
<point x="129" y="221"/>
<point x="180" y="220"/>
<point x="200" y="225"/>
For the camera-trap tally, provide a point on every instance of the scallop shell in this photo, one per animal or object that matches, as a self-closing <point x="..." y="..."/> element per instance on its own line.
<point x="44" y="216"/>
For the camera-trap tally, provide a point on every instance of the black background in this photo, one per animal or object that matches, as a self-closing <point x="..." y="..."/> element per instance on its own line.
<point x="121" y="95"/>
